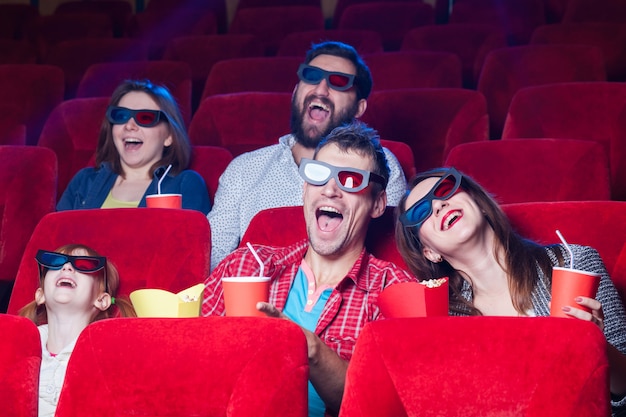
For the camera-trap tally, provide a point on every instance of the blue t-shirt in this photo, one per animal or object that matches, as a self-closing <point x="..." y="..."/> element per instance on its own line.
<point x="304" y="306"/>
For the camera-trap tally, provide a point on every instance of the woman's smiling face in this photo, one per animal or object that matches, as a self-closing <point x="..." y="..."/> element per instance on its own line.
<point x="140" y="147"/>
<point x="452" y="221"/>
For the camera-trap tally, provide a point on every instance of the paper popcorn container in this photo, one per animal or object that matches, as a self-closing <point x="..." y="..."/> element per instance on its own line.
<point x="415" y="299"/>
<point x="160" y="303"/>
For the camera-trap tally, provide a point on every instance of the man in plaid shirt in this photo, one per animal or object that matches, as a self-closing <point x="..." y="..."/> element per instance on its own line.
<point x="327" y="284"/>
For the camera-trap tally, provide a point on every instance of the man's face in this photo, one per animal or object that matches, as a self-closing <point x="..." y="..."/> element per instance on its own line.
<point x="337" y="220"/>
<point x="316" y="109"/>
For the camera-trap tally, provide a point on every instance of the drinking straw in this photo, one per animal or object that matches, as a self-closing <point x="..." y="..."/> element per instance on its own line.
<point x="161" y="179"/>
<point x="571" y="255"/>
<point x="256" y="256"/>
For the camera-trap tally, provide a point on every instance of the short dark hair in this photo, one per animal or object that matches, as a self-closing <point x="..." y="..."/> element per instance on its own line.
<point x="363" y="78"/>
<point x="178" y="153"/>
<point x="358" y="137"/>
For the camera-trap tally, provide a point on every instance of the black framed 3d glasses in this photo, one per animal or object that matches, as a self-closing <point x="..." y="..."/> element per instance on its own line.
<point x="144" y="118"/>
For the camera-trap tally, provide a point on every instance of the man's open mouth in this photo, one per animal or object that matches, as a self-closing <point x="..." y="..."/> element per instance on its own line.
<point x="328" y="218"/>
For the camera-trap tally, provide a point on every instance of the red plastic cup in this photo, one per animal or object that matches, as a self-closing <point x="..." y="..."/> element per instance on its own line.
<point x="241" y="294"/>
<point x="165" y="200"/>
<point x="414" y="299"/>
<point x="567" y="284"/>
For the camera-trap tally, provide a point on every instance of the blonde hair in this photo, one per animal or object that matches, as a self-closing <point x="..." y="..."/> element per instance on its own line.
<point x="120" y="307"/>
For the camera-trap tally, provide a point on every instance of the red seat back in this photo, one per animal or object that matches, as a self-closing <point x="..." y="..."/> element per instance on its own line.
<point x="599" y="224"/>
<point x="392" y="20"/>
<point x="522" y="170"/>
<point x="20" y="359"/>
<point x="507" y="70"/>
<point x="430" y="120"/>
<point x="269" y="74"/>
<point x="32" y="90"/>
<point x="249" y="373"/>
<point x="272" y="24"/>
<point x="100" y="80"/>
<point x="28" y="177"/>
<point x="414" y="69"/>
<point x="593" y="111"/>
<point x="398" y="370"/>
<point x="298" y="43"/>
<point x="217" y="121"/>
<point x="151" y="248"/>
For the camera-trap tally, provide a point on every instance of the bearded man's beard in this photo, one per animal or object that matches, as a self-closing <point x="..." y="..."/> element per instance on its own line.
<point x="311" y="136"/>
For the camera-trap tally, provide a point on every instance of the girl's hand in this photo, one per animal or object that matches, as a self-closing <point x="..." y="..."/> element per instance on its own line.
<point x="596" y="316"/>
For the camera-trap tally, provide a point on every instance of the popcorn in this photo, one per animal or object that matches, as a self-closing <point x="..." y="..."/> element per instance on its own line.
<point x="433" y="283"/>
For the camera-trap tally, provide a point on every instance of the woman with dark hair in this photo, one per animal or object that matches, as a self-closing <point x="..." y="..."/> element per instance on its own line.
<point x="142" y="134"/>
<point x="448" y="225"/>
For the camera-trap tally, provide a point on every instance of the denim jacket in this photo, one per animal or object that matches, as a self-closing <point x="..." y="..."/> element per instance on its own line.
<point x="90" y="187"/>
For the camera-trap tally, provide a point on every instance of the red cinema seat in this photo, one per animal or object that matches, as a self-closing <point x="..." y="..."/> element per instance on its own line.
<point x="75" y="56"/>
<point x="430" y="120"/>
<point x="392" y="20"/>
<point x="152" y="248"/>
<point x="210" y="162"/>
<point x="46" y="31"/>
<point x="32" y="91"/>
<point x="201" y="52"/>
<point x="72" y="132"/>
<point x="595" y="11"/>
<point x="217" y="121"/>
<point x="414" y="69"/>
<point x="272" y="24"/>
<point x="608" y="36"/>
<point x="119" y="11"/>
<point x="524" y="170"/>
<point x="165" y="364"/>
<point x="507" y="70"/>
<point x="599" y="224"/>
<point x="158" y="26"/>
<point x="298" y="43"/>
<point x="469" y="41"/>
<point x="20" y="359"/>
<point x="517" y="18"/>
<point x="269" y="74"/>
<point x="14" y="18"/>
<point x="28" y="177"/>
<point x="397" y="370"/>
<point x="593" y="111"/>
<point x="100" y="80"/>
<point x="404" y="154"/>
<point x="17" y="52"/>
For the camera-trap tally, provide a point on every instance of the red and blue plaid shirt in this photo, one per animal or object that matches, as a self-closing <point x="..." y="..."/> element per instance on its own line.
<point x="351" y="305"/>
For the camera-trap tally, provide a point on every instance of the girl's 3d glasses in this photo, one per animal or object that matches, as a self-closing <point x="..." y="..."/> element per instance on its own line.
<point x="336" y="80"/>
<point x="351" y="180"/>
<point x="86" y="264"/>
<point x="443" y="189"/>
<point x="144" y="118"/>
